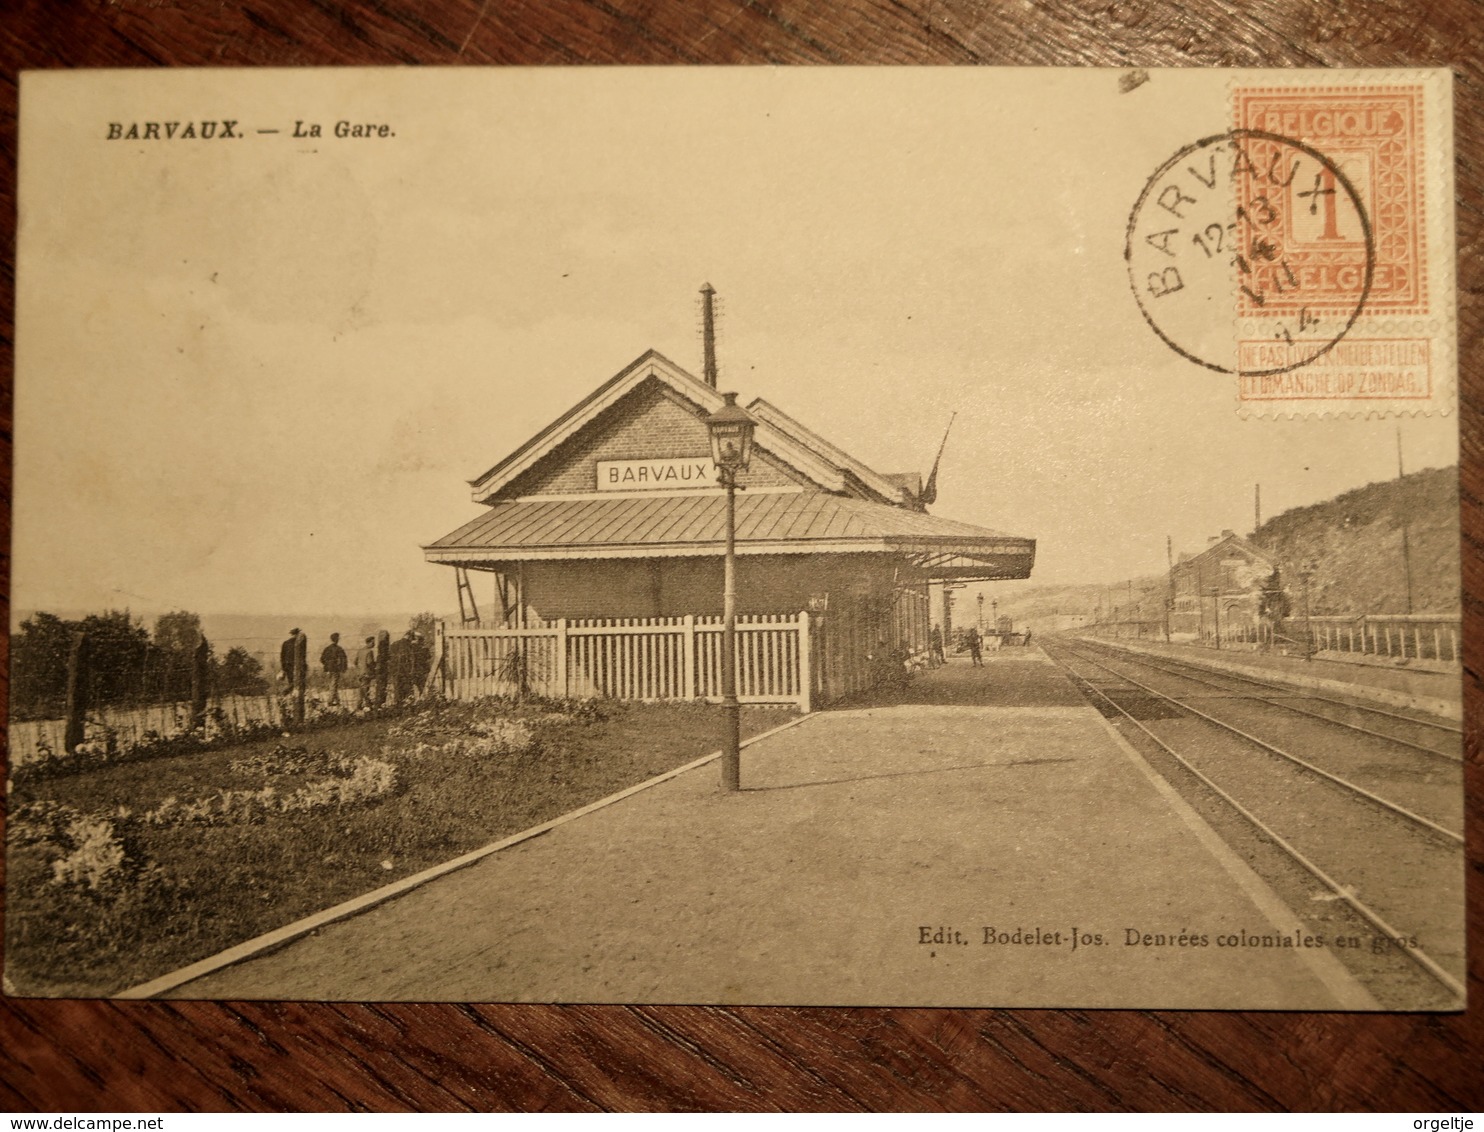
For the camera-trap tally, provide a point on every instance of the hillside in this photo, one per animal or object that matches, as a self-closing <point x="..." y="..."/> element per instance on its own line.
<point x="1355" y="544"/>
<point x="1044" y="608"/>
<point x="1353" y="540"/>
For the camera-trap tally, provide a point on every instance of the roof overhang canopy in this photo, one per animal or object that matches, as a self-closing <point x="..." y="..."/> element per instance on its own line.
<point x="791" y="523"/>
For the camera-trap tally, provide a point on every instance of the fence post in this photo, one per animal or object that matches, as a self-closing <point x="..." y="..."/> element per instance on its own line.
<point x="806" y="669"/>
<point x="383" y="663"/>
<point x="77" y="693"/>
<point x="560" y="657"/>
<point x="200" y="678"/>
<point x="301" y="675"/>
<point x="437" y="674"/>
<point x="688" y="657"/>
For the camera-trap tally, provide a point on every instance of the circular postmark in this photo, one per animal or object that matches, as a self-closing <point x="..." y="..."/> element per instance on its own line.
<point x="1242" y="253"/>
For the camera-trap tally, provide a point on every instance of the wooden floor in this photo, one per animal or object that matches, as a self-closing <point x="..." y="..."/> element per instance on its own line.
<point x="61" y="1056"/>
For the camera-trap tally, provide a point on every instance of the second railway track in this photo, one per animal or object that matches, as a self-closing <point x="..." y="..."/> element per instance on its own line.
<point x="1416" y="729"/>
<point x="1370" y="816"/>
<point x="1395" y="772"/>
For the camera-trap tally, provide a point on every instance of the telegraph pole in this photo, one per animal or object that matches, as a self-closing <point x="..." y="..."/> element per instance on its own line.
<point x="1169" y="583"/>
<point x="1406" y="541"/>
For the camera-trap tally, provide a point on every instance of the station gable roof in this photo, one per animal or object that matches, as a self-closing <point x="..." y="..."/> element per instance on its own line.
<point x="565" y="437"/>
<point x="872" y="483"/>
<point x="803" y="495"/>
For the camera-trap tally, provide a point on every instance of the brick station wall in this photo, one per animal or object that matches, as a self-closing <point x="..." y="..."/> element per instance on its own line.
<point x="673" y="587"/>
<point x="651" y="423"/>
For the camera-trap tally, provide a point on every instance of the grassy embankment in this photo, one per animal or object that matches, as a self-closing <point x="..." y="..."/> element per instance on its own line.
<point x="1353" y="542"/>
<point x="122" y="873"/>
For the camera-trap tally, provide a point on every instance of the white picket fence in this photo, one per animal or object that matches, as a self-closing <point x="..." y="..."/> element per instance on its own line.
<point x="1409" y="636"/>
<point x="636" y="658"/>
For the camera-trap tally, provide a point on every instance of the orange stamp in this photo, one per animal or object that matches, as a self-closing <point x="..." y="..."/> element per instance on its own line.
<point x="1373" y="136"/>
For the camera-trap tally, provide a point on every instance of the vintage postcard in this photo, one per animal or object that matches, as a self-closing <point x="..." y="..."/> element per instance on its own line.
<point x="828" y="536"/>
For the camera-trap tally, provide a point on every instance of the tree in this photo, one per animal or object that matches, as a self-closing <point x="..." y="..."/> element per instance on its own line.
<point x="240" y="672"/>
<point x="38" y="666"/>
<point x="179" y="631"/>
<point x="423" y="624"/>
<point x="120" y="651"/>
<point x="176" y="636"/>
<point x="1273" y="605"/>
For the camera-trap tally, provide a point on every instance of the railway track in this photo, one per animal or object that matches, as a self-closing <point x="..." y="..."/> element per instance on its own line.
<point x="1421" y="782"/>
<point x="1410" y="729"/>
<point x="1372" y="811"/>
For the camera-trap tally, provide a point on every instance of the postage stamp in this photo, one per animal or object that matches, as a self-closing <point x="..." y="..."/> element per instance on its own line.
<point x="1318" y="218"/>
<point x="1359" y="215"/>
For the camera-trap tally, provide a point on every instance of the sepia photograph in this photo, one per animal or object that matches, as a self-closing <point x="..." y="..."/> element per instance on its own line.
<point x="856" y="537"/>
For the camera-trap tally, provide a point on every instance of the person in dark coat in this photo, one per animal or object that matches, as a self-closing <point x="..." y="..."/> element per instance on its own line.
<point x="288" y="673"/>
<point x="422" y="660"/>
<point x="334" y="661"/>
<point x="935" y="647"/>
<point x="975" y="643"/>
<point x="288" y="658"/>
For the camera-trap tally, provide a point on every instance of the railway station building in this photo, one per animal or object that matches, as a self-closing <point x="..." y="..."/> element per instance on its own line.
<point x="1218" y="592"/>
<point x="595" y="567"/>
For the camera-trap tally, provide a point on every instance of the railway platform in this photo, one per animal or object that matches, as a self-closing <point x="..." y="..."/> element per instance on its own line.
<point x="982" y="838"/>
<point x="1440" y="693"/>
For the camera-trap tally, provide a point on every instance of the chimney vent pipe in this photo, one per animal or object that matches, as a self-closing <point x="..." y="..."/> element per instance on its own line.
<point x="708" y="334"/>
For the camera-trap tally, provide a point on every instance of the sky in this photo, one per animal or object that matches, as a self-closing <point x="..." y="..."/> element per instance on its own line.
<point x="254" y="374"/>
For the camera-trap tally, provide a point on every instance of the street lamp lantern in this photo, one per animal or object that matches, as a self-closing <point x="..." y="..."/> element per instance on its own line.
<point x="731" y="448"/>
<point x="731" y="430"/>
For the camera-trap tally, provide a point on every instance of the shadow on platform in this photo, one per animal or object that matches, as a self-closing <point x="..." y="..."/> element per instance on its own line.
<point x="918" y="773"/>
<point x="1017" y="678"/>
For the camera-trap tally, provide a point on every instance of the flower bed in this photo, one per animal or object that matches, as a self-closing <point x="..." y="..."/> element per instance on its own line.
<point x="122" y="871"/>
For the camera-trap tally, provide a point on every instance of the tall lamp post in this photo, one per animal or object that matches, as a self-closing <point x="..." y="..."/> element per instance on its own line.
<point x="1216" y="611"/>
<point x="731" y="449"/>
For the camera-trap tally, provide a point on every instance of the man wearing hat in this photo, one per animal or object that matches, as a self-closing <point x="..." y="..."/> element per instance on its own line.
<point x="334" y="661"/>
<point x="290" y="658"/>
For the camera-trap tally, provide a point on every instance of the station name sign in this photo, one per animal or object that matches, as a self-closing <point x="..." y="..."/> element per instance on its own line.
<point x="656" y="475"/>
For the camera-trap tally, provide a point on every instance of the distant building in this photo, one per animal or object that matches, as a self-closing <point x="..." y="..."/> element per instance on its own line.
<point x="1219" y="590"/>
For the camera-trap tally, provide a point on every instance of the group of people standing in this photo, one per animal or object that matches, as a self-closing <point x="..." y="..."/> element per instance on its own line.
<point x="974" y="642"/>
<point x="381" y="664"/>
